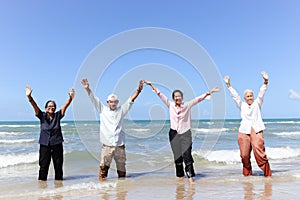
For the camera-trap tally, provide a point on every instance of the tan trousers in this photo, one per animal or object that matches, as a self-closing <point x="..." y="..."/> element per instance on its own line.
<point x="107" y="154"/>
<point x="255" y="142"/>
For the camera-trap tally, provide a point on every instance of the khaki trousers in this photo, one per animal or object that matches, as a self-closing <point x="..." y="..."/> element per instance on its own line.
<point x="107" y="154"/>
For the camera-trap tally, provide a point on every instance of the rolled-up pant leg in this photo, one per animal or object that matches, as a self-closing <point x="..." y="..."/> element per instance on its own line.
<point x="245" y="152"/>
<point x="120" y="159"/>
<point x="105" y="161"/>
<point x="174" y="139"/>
<point x="258" y="146"/>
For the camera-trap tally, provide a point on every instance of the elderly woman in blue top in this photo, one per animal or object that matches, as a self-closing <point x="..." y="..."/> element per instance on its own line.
<point x="51" y="137"/>
<point x="112" y="135"/>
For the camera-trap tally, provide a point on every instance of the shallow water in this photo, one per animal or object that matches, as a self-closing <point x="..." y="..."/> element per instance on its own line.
<point x="150" y="163"/>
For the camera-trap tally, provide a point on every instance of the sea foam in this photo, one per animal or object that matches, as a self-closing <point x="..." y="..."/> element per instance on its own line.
<point x="13" y="159"/>
<point x="233" y="156"/>
<point x="17" y="141"/>
<point x="287" y="134"/>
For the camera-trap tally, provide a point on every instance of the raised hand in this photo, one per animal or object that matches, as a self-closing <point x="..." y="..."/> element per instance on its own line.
<point x="28" y="91"/>
<point x="147" y="82"/>
<point x="152" y="86"/>
<point x="215" y="89"/>
<point x="265" y="75"/>
<point x="85" y="83"/>
<point x="72" y="93"/>
<point x="227" y="81"/>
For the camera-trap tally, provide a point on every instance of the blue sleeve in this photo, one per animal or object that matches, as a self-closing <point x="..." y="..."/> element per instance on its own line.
<point x="40" y="115"/>
<point x="60" y="115"/>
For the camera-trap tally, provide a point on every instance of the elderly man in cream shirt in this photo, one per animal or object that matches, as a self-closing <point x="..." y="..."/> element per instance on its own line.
<point x="112" y="135"/>
<point x="250" y="136"/>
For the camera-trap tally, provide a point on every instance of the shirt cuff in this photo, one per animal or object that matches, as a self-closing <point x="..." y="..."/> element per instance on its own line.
<point x="130" y="101"/>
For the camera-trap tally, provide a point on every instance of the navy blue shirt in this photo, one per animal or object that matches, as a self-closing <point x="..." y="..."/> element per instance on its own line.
<point x="50" y="133"/>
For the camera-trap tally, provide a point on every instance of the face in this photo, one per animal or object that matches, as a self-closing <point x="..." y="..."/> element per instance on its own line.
<point x="50" y="108"/>
<point x="177" y="98"/>
<point x="112" y="104"/>
<point x="249" y="97"/>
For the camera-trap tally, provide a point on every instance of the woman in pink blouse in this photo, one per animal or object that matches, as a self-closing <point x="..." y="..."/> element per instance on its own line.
<point x="250" y="134"/>
<point x="180" y="135"/>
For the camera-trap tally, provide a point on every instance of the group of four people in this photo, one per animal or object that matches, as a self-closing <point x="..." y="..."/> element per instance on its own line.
<point x="112" y="134"/>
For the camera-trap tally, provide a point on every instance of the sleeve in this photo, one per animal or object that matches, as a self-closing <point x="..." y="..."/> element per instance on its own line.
<point x="163" y="98"/>
<point x="126" y="106"/>
<point x="261" y="94"/>
<point x="96" y="102"/>
<point x="196" y="100"/>
<point x="40" y="115"/>
<point x="235" y="96"/>
<point x="60" y="114"/>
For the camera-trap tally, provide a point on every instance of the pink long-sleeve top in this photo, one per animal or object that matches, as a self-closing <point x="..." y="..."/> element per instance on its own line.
<point x="180" y="117"/>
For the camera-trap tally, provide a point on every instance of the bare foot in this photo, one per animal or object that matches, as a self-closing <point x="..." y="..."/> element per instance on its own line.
<point x="102" y="179"/>
<point x="181" y="178"/>
<point x="191" y="180"/>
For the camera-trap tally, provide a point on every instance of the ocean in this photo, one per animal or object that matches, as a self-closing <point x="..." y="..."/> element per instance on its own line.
<point x="150" y="168"/>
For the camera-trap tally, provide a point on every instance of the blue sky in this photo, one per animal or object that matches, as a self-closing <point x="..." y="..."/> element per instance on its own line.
<point x="45" y="43"/>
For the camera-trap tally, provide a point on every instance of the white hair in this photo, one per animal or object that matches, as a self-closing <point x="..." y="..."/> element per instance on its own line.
<point x="248" y="90"/>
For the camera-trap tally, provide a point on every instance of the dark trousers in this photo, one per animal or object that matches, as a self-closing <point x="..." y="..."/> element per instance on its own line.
<point x="181" y="145"/>
<point x="46" y="153"/>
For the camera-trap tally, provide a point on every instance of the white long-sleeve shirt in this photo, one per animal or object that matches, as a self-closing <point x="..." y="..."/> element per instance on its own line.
<point x="251" y="115"/>
<point x="111" y="121"/>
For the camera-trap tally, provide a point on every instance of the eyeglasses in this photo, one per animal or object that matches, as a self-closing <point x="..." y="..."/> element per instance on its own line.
<point x="115" y="101"/>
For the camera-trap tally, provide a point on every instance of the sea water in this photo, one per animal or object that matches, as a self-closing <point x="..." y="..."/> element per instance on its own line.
<point x="150" y="168"/>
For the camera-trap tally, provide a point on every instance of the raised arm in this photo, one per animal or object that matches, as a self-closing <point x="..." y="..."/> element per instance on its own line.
<point x="86" y="85"/>
<point x="71" y="97"/>
<point x="213" y="90"/>
<point x="31" y="100"/>
<point x="227" y="81"/>
<point x="161" y="95"/>
<point x="138" y="91"/>
<point x="265" y="77"/>
<point x="235" y="96"/>
<point x="203" y="96"/>
<point x="263" y="88"/>
<point x="151" y="85"/>
<point x="95" y="100"/>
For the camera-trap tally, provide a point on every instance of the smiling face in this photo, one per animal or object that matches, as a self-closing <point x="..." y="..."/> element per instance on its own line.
<point x="50" y="107"/>
<point x="177" y="97"/>
<point x="112" y="104"/>
<point x="249" y="97"/>
<point x="112" y="101"/>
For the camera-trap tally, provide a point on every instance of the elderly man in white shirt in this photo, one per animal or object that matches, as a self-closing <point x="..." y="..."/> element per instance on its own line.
<point x="112" y="135"/>
<point x="250" y="134"/>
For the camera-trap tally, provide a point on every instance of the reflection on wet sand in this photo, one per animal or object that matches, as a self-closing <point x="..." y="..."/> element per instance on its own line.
<point x="184" y="193"/>
<point x="44" y="185"/>
<point x="264" y="195"/>
<point x="119" y="193"/>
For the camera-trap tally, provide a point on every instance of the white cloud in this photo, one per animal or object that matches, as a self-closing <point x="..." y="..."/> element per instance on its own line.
<point x="294" y="95"/>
